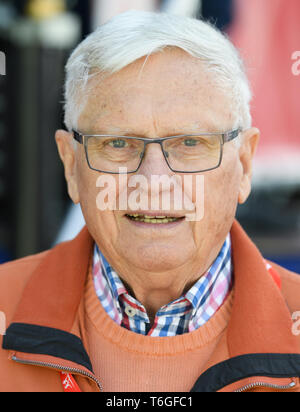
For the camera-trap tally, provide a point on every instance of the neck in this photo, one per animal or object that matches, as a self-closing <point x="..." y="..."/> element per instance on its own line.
<point x="155" y="294"/>
<point x="155" y="289"/>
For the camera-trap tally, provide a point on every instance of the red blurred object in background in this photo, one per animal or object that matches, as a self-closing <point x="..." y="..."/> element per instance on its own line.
<point x="267" y="33"/>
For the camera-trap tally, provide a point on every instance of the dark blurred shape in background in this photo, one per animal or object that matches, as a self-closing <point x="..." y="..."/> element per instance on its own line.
<point x="37" y="37"/>
<point x="220" y="13"/>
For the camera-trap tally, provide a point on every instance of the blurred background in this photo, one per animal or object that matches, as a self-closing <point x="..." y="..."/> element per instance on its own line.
<point x="37" y="37"/>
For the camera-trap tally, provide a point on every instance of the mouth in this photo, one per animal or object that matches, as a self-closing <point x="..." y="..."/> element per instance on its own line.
<point x="157" y="219"/>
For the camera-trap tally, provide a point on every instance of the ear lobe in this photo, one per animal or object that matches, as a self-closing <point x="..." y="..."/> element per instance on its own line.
<point x="68" y="157"/>
<point x="247" y="153"/>
<point x="245" y="190"/>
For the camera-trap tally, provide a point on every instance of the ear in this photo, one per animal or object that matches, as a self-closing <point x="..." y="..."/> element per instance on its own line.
<point x="247" y="151"/>
<point x="67" y="154"/>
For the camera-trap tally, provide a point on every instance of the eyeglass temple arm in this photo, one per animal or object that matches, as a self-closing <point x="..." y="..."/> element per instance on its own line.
<point x="78" y="137"/>
<point x="228" y="137"/>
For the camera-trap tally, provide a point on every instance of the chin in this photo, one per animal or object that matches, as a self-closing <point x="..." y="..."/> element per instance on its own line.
<point x="155" y="259"/>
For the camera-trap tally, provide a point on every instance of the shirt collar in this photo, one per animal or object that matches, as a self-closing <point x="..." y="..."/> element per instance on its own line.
<point x="201" y="290"/>
<point x="115" y="283"/>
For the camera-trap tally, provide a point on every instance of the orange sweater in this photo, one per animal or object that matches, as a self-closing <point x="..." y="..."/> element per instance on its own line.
<point x="131" y="362"/>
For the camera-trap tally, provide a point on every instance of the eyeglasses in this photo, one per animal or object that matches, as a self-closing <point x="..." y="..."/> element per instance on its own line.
<point x="193" y="153"/>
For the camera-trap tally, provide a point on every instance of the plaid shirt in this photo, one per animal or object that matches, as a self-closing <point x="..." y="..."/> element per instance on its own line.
<point x="183" y="315"/>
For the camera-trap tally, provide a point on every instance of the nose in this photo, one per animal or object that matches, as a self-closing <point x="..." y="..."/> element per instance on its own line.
<point x="154" y="162"/>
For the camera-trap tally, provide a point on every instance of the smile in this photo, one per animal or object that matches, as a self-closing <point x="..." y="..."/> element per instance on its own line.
<point x="153" y="219"/>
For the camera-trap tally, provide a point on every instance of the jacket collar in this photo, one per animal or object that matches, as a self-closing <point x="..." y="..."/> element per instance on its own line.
<point x="46" y="328"/>
<point x="260" y="321"/>
<point x="55" y="289"/>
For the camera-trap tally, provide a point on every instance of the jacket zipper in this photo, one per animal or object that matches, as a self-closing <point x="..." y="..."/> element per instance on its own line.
<point x="265" y="385"/>
<point x="60" y="368"/>
<point x="88" y="375"/>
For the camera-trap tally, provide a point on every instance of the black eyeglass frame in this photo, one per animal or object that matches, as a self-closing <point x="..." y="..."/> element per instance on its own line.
<point x="226" y="137"/>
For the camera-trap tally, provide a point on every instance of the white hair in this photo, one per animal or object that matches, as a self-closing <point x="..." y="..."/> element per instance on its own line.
<point x="135" y="34"/>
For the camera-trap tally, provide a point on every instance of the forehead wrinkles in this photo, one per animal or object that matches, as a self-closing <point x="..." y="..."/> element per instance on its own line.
<point x="162" y="90"/>
<point x="179" y="72"/>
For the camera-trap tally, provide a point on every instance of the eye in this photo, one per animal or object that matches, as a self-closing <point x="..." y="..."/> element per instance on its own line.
<point x="118" y="144"/>
<point x="190" y="142"/>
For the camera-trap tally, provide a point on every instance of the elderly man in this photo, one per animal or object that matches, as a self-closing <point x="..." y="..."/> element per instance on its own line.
<point x="171" y="298"/>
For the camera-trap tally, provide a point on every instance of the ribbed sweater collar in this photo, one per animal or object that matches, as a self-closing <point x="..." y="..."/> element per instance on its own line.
<point x="111" y="331"/>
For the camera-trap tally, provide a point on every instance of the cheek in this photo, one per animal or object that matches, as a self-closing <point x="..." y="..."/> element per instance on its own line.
<point x="88" y="195"/>
<point x="122" y="191"/>
<point x="223" y="191"/>
<point x="86" y="179"/>
<point x="220" y="198"/>
<point x="88" y="192"/>
<point x="99" y="221"/>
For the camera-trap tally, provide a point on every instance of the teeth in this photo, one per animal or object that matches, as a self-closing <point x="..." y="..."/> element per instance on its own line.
<point x="154" y="217"/>
<point x="151" y="219"/>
